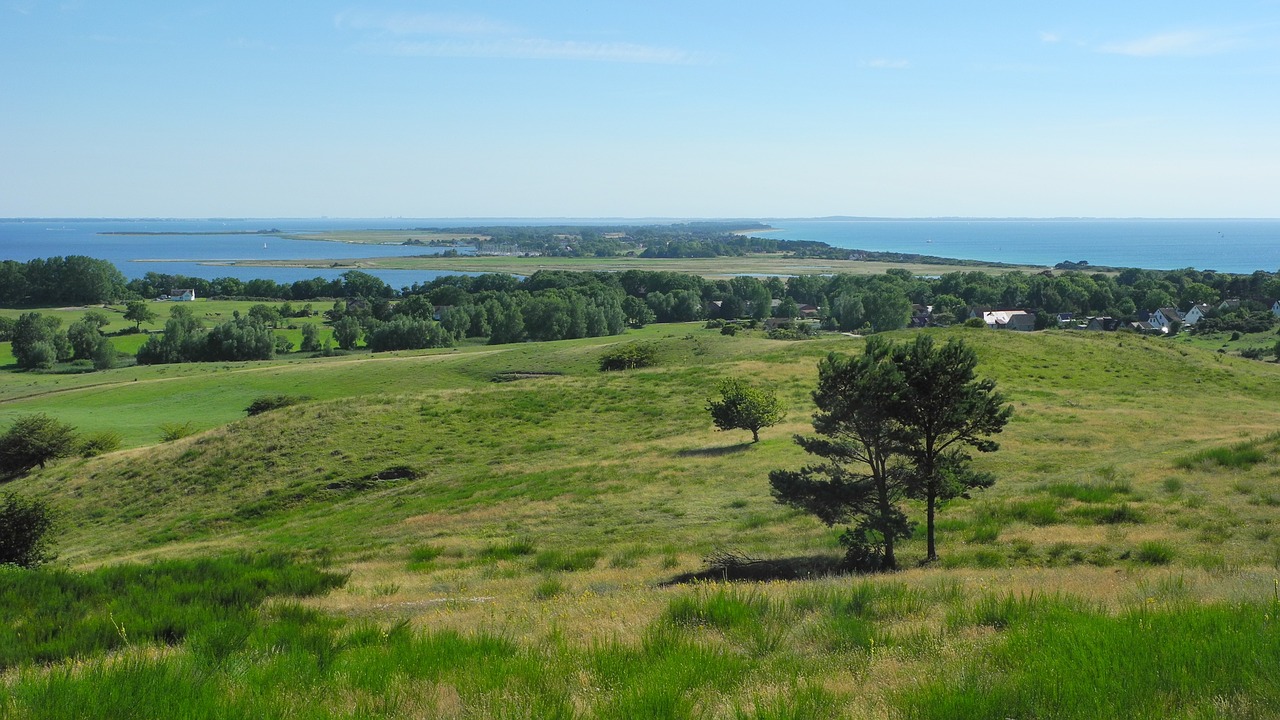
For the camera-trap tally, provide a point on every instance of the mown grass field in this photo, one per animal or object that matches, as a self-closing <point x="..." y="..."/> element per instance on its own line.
<point x="512" y="519"/>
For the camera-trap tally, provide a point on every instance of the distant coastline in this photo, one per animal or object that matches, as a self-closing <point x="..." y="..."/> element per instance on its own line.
<point x="152" y="233"/>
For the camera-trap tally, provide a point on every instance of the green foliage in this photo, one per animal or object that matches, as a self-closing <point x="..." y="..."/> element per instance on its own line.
<point x="83" y="335"/>
<point x="906" y="413"/>
<point x="944" y="409"/>
<point x="744" y="407"/>
<point x="33" y="441"/>
<point x="26" y="527"/>
<point x="859" y="480"/>
<point x="138" y="312"/>
<point x="238" y="339"/>
<point x="185" y="339"/>
<point x="637" y="312"/>
<point x="407" y="333"/>
<point x="310" y="338"/>
<point x="266" y="403"/>
<point x="629" y="357"/>
<point x="39" y="341"/>
<point x="347" y="332"/>
<point x="171" y="431"/>
<point x="100" y="442"/>
<point x="104" y="354"/>
<point x="58" y="281"/>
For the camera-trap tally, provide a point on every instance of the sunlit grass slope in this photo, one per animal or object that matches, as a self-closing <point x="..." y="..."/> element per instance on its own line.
<point x="516" y="491"/>
<point x="608" y="459"/>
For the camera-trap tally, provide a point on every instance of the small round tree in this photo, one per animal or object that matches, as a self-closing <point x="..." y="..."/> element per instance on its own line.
<point x="34" y="440"/>
<point x="743" y="407"/>
<point x="138" y="312"/>
<point x="25" y="526"/>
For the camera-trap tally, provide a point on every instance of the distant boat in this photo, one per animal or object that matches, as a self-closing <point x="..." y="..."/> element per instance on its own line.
<point x="264" y="246"/>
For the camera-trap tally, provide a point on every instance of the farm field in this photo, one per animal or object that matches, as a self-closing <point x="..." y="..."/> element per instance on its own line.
<point x="515" y="533"/>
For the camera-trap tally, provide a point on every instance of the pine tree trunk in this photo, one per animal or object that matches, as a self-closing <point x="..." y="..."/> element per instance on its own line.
<point x="931" y="504"/>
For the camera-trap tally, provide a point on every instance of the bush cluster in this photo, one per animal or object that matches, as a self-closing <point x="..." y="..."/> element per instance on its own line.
<point x="629" y="357"/>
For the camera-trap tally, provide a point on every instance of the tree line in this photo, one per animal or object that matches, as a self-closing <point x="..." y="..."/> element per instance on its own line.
<point x="850" y="301"/>
<point x="556" y="305"/>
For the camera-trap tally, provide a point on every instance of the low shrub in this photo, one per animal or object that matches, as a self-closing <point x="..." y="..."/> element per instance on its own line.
<point x="266" y="403"/>
<point x="100" y="443"/>
<point x="549" y="588"/>
<point x="506" y="551"/>
<point x="176" y="431"/>
<point x="1108" y="514"/>
<point x="1154" y="552"/>
<point x="554" y="560"/>
<point x="629" y="357"/>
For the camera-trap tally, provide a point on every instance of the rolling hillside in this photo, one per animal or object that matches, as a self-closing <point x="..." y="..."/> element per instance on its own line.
<point x="518" y="490"/>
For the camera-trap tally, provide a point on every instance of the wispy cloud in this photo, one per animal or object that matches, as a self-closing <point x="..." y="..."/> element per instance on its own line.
<point x="1050" y="37"/>
<point x="1184" y="43"/>
<point x="463" y="36"/>
<point x="886" y="64"/>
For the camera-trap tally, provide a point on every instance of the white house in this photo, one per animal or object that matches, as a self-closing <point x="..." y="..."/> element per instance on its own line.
<point x="1195" y="313"/>
<point x="1009" y="320"/>
<point x="1163" y="318"/>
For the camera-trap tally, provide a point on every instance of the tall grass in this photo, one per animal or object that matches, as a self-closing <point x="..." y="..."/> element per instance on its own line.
<point x="48" y="615"/>
<point x="1050" y="656"/>
<point x="1187" y="661"/>
<point x="1240" y="456"/>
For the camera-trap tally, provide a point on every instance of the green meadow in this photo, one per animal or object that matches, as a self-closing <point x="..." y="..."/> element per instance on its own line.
<point x="507" y="531"/>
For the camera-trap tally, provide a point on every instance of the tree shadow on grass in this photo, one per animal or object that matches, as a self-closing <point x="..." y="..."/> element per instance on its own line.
<point x="744" y="569"/>
<point x="714" y="451"/>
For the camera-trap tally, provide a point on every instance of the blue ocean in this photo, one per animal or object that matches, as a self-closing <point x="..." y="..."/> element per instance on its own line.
<point x="1237" y="246"/>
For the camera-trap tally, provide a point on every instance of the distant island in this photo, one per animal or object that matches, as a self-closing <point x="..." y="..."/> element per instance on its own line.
<point x="272" y="231"/>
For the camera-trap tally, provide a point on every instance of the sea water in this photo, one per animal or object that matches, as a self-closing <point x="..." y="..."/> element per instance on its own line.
<point x="1237" y="246"/>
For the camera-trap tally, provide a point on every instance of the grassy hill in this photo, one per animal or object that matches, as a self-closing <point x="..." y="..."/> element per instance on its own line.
<point x="516" y="492"/>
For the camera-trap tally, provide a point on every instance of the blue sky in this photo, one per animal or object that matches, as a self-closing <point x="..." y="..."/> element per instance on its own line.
<point x="628" y="109"/>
